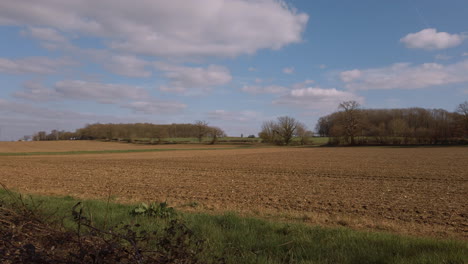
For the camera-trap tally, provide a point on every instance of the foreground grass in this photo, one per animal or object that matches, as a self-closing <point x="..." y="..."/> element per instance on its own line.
<point x="248" y="240"/>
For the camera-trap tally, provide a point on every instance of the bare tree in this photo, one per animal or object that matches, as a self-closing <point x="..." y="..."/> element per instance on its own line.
<point x="462" y="110"/>
<point x="287" y="127"/>
<point x="280" y="132"/>
<point x="202" y="129"/>
<point x="215" y="133"/>
<point x="269" y="132"/>
<point x="304" y="134"/>
<point x="160" y="133"/>
<point x="350" y="120"/>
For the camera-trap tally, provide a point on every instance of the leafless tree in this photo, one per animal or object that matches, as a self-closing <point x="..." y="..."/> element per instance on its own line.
<point x="350" y="120"/>
<point x="462" y="110"/>
<point x="202" y="129"/>
<point x="215" y="133"/>
<point x="160" y="133"/>
<point x="287" y="127"/>
<point x="304" y="134"/>
<point x="280" y="131"/>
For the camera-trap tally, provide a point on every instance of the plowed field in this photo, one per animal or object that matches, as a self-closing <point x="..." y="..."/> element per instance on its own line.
<point x="422" y="191"/>
<point x="63" y="146"/>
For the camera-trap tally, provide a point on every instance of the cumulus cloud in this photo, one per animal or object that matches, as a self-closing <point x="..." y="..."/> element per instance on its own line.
<point x="190" y="80"/>
<point x="288" y="70"/>
<point x="239" y="116"/>
<point x="430" y="39"/>
<point x="349" y="76"/>
<point x="273" y="89"/>
<point x="269" y="89"/>
<point x="28" y="110"/>
<point x="25" y="119"/>
<point x="442" y="57"/>
<point x="106" y="93"/>
<point x="45" y="34"/>
<point x="406" y="76"/>
<point x="155" y="106"/>
<point x="316" y="98"/>
<point x="127" y="65"/>
<point x="36" y="65"/>
<point x="34" y="90"/>
<point x="100" y="92"/>
<point x="125" y="96"/>
<point x="167" y="28"/>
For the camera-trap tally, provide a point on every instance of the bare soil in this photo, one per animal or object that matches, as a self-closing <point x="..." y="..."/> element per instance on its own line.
<point x="418" y="191"/>
<point x="85" y="145"/>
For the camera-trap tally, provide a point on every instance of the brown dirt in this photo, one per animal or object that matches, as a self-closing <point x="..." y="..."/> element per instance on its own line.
<point x="419" y="191"/>
<point x="84" y="145"/>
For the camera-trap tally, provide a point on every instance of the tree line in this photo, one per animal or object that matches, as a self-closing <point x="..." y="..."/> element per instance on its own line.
<point x="350" y="125"/>
<point x="129" y="132"/>
<point x="353" y="125"/>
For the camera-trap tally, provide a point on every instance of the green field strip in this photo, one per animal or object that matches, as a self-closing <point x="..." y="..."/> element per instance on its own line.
<point x="109" y="151"/>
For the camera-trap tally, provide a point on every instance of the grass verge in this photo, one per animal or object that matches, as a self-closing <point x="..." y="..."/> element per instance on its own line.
<point x="229" y="238"/>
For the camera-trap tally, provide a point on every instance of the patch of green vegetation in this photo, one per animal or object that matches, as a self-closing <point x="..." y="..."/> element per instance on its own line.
<point x="195" y="140"/>
<point x="104" y="151"/>
<point x="249" y="240"/>
<point x="160" y="210"/>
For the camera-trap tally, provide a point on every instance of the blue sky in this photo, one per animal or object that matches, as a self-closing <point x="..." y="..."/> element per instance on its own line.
<point x="233" y="63"/>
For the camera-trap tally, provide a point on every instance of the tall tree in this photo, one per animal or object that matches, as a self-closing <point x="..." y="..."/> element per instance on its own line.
<point x="280" y="131"/>
<point x="350" y="120"/>
<point x="462" y="110"/>
<point x="215" y="133"/>
<point x="202" y="129"/>
<point x="287" y="128"/>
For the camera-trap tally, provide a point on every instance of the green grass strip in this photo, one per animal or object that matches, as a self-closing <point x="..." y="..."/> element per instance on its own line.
<point x="250" y="240"/>
<point x="108" y="151"/>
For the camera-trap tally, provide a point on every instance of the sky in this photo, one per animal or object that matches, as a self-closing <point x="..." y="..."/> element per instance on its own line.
<point x="233" y="63"/>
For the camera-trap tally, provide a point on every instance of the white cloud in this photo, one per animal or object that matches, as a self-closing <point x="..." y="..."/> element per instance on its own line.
<point x="406" y="76"/>
<point x="37" y="65"/>
<point x="303" y="84"/>
<point x="316" y="98"/>
<point x="189" y="80"/>
<point x="45" y="34"/>
<point x="269" y="89"/>
<point x="252" y="69"/>
<point x="442" y="57"/>
<point x="126" y="96"/>
<point x="349" y="76"/>
<point x="127" y="65"/>
<point x="168" y="28"/>
<point x="465" y="54"/>
<point x="430" y="39"/>
<point x="25" y="119"/>
<point x="35" y="91"/>
<point x="322" y="66"/>
<point x="100" y="92"/>
<point x="273" y="89"/>
<point x="288" y="70"/>
<point x="29" y="110"/>
<point x="240" y="116"/>
<point x="155" y="106"/>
